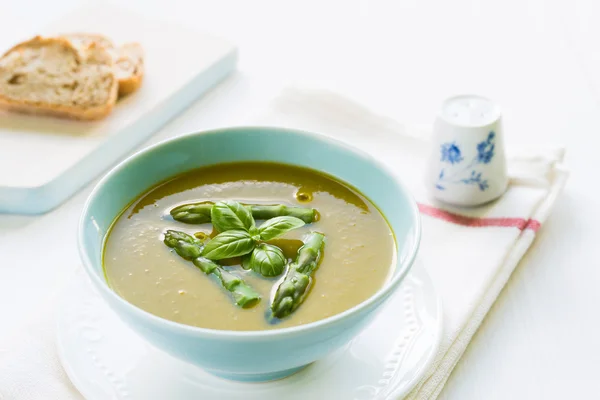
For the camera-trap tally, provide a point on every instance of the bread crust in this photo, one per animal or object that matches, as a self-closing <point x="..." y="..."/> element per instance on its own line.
<point x="39" y="41"/>
<point x="133" y="53"/>
<point x="88" y="38"/>
<point x="87" y="114"/>
<point x="58" y="110"/>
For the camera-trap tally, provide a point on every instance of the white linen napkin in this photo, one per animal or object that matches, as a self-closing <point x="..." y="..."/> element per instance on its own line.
<point x="469" y="253"/>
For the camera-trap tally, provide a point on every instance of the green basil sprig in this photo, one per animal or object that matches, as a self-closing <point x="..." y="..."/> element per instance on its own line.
<point x="229" y="244"/>
<point x="240" y="237"/>
<point x="267" y="260"/>
<point x="231" y="215"/>
<point x="246" y="261"/>
<point x="277" y="226"/>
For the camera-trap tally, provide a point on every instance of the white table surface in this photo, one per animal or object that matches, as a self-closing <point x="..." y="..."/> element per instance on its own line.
<point x="539" y="59"/>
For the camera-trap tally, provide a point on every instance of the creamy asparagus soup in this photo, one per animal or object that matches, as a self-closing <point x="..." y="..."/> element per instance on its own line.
<point x="249" y="246"/>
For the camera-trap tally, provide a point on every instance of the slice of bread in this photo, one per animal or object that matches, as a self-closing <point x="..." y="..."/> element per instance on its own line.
<point x="129" y="59"/>
<point x="129" y="67"/>
<point x="52" y="76"/>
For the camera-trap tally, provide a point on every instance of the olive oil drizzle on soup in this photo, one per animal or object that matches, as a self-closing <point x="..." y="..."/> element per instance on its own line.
<point x="356" y="261"/>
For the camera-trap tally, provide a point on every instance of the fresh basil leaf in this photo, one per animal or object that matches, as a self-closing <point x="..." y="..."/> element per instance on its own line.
<point x="277" y="226"/>
<point x="229" y="244"/>
<point x="246" y="261"/>
<point x="228" y="215"/>
<point x="267" y="260"/>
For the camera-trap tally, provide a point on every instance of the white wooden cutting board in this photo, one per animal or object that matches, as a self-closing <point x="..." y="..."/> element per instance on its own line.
<point x="43" y="160"/>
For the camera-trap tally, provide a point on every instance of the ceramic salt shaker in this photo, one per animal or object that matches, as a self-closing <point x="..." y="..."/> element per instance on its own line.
<point x="467" y="166"/>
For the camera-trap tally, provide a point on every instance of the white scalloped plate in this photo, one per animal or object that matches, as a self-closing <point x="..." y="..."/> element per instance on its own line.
<point x="106" y="360"/>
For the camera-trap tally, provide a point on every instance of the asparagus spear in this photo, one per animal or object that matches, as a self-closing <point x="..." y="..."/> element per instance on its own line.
<point x="307" y="215"/>
<point x="199" y="213"/>
<point x="294" y="288"/>
<point x="243" y="295"/>
<point x="190" y="248"/>
<point x="193" y="213"/>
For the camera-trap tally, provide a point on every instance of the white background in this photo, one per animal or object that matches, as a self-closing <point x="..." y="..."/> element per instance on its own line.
<point x="539" y="59"/>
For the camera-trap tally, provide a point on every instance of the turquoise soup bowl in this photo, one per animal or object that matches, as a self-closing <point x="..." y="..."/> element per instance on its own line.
<point x="251" y="355"/>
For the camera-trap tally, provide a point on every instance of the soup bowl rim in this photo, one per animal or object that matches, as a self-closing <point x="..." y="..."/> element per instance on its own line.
<point x="387" y="289"/>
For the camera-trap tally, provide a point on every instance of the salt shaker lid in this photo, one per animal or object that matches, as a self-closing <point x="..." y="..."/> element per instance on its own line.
<point x="469" y="110"/>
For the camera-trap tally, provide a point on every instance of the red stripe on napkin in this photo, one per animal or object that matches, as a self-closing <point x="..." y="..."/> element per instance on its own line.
<point x="520" y="223"/>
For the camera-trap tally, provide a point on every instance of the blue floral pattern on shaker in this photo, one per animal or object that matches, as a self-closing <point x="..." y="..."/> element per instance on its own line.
<point x="485" y="149"/>
<point x="451" y="153"/>
<point x="467" y="175"/>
